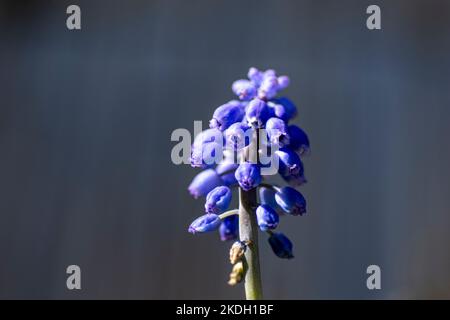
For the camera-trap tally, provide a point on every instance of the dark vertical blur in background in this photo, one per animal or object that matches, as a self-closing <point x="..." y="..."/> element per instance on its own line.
<point x="86" y="117"/>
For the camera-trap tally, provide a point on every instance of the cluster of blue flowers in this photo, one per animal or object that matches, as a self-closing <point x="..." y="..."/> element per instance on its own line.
<point x="257" y="107"/>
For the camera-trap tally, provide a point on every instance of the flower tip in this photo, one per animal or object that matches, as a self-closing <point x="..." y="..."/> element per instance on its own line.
<point x="193" y="193"/>
<point x="191" y="230"/>
<point x="205" y="223"/>
<point x="213" y="123"/>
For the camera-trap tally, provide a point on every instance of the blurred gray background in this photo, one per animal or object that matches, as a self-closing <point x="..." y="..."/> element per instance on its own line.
<point x="85" y="124"/>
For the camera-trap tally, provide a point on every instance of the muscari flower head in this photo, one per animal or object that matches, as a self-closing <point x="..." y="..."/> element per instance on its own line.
<point x="248" y="175"/>
<point x="218" y="200"/>
<point x="229" y="228"/>
<point x="291" y="201"/>
<point x="205" y="223"/>
<point x="232" y="127"/>
<point x="227" y="114"/>
<point x="267" y="217"/>
<point x="281" y="245"/>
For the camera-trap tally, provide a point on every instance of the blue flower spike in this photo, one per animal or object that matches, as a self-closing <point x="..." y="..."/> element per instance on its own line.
<point x="241" y="133"/>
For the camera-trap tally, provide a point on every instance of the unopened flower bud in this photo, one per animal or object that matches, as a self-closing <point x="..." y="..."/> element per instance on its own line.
<point x="267" y="217"/>
<point x="218" y="200"/>
<point x="248" y="175"/>
<point x="205" y="223"/>
<point x="291" y="201"/>
<point x="244" y="89"/>
<point x="227" y="114"/>
<point x="281" y="245"/>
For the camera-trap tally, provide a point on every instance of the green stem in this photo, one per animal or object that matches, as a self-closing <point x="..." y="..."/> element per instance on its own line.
<point x="248" y="232"/>
<point x="228" y="213"/>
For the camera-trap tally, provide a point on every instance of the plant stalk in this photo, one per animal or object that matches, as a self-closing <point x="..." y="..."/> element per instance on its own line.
<point x="248" y="232"/>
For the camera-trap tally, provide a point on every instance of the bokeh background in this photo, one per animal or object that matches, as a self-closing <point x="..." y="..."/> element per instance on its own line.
<point x="86" y="117"/>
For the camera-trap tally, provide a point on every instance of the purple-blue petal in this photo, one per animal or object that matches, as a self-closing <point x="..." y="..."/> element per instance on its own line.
<point x="227" y="114"/>
<point x="257" y="112"/>
<point x="206" y="155"/>
<point x="248" y="175"/>
<point x="204" y="182"/>
<point x="291" y="201"/>
<point x="284" y="108"/>
<point x="244" y="89"/>
<point x="267" y="217"/>
<point x="290" y="167"/>
<point x="299" y="140"/>
<point x="238" y="136"/>
<point x="277" y="132"/>
<point x="226" y="172"/>
<point x="205" y="223"/>
<point x="281" y="245"/>
<point x="229" y="228"/>
<point x="218" y="200"/>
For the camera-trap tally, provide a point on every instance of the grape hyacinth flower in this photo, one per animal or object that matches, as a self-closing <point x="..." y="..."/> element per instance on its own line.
<point x="218" y="200"/>
<point x="226" y="172"/>
<point x="204" y="182"/>
<point x="291" y="201"/>
<point x="238" y="135"/>
<point x="284" y="109"/>
<point x="236" y="128"/>
<point x="229" y="228"/>
<point x="267" y="217"/>
<point x="298" y="140"/>
<point x="290" y="166"/>
<point x="244" y="89"/>
<point x="205" y="223"/>
<point x="277" y="132"/>
<point x="248" y="175"/>
<point x="281" y="245"/>
<point x="227" y="114"/>
<point x="257" y="112"/>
